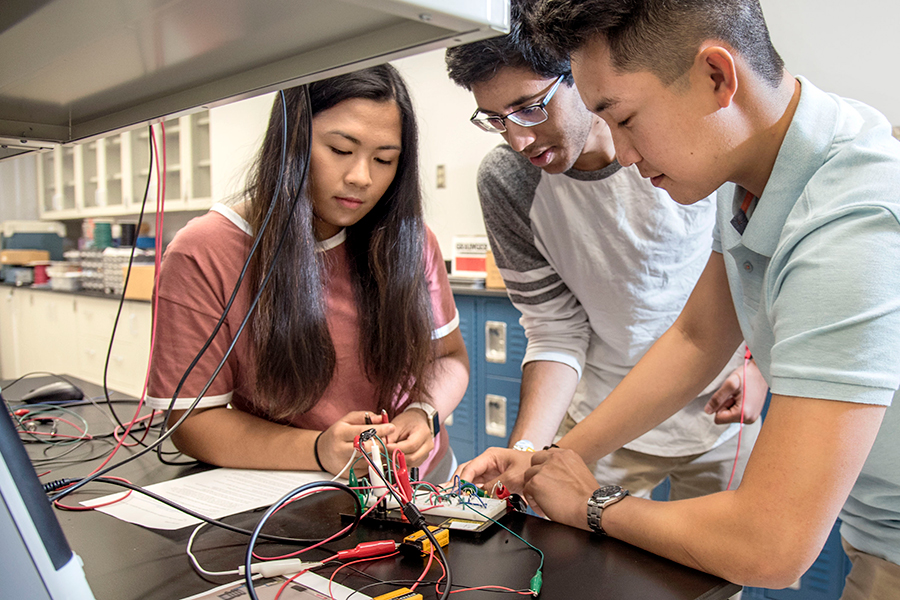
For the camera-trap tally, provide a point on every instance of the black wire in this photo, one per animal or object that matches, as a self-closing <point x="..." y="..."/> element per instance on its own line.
<point x="257" y="240"/>
<point x="48" y="487"/>
<point x="166" y="434"/>
<point x="112" y="336"/>
<point x="248" y="558"/>
<point x="412" y="514"/>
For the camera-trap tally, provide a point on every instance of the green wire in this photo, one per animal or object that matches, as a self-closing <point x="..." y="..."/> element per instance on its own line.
<point x="389" y="461"/>
<point x="39" y="409"/>
<point x="541" y="567"/>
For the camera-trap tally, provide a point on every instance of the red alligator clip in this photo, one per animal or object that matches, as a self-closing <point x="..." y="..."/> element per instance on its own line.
<point x="403" y="477"/>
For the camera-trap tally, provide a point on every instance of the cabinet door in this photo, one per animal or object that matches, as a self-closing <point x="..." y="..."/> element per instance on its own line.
<point x="93" y="190"/>
<point x="131" y="347"/>
<point x="9" y="368"/>
<point x="195" y="159"/>
<point x="68" y="156"/>
<point x="48" y="200"/>
<point x="498" y="411"/>
<point x="461" y="424"/>
<point x="47" y="337"/>
<point x="136" y="156"/>
<point x="502" y="348"/>
<point x="504" y="339"/>
<point x="102" y="177"/>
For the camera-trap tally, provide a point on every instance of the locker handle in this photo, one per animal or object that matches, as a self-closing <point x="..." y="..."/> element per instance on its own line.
<point x="495" y="341"/>
<point x="495" y="415"/>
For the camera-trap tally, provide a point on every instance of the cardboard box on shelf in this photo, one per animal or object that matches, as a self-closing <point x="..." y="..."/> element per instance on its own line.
<point x="493" y="278"/>
<point x="140" y="283"/>
<point x="23" y="257"/>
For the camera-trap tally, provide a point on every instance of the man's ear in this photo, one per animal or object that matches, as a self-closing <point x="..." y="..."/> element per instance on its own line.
<point x="717" y="68"/>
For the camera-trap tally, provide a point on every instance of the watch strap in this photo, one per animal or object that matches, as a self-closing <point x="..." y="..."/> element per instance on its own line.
<point x="600" y="499"/>
<point x="434" y="421"/>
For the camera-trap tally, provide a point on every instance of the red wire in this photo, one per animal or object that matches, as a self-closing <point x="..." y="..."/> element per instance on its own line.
<point x="83" y="436"/>
<point x="59" y="435"/>
<point x="83" y="508"/>
<point x="425" y="572"/>
<point x="140" y="404"/>
<point x="331" y="579"/>
<point x="144" y="418"/>
<point x="316" y="545"/>
<point x="737" y="452"/>
<point x="285" y="584"/>
<point x="160" y="203"/>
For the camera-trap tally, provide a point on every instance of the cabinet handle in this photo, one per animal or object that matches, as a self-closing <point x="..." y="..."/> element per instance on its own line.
<point x="495" y="341"/>
<point x="495" y="415"/>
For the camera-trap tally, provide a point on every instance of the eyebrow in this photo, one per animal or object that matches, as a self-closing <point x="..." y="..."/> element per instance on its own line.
<point x="604" y="104"/>
<point x="520" y="101"/>
<point x="352" y="139"/>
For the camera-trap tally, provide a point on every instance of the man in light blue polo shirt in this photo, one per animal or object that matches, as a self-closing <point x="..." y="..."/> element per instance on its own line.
<point x="808" y="239"/>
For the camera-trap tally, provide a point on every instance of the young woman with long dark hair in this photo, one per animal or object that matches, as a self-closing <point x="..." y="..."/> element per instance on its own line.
<point x="356" y="317"/>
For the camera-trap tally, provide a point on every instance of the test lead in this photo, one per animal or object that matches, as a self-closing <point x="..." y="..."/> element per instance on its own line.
<point x="400" y="594"/>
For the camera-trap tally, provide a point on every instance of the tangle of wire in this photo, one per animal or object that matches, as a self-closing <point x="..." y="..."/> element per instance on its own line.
<point x="164" y="435"/>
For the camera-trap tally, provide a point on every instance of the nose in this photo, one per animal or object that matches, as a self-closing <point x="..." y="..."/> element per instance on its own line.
<point x="519" y="137"/>
<point x="626" y="153"/>
<point x="359" y="174"/>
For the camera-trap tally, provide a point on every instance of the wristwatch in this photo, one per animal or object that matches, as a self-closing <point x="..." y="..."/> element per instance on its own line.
<point x="524" y="446"/>
<point x="600" y="499"/>
<point x="434" y="422"/>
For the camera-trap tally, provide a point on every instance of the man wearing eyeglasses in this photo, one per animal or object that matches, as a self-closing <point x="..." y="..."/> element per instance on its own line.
<point x="600" y="263"/>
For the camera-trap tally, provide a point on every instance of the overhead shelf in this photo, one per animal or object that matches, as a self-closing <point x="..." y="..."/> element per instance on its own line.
<point x="75" y="70"/>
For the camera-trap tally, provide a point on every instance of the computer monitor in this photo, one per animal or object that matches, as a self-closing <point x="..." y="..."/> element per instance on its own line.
<point x="36" y="561"/>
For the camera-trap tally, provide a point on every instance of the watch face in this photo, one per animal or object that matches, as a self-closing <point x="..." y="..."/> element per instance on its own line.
<point x="608" y="490"/>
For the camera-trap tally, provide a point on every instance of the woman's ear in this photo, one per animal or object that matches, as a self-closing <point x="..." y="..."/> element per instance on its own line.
<point x="716" y="66"/>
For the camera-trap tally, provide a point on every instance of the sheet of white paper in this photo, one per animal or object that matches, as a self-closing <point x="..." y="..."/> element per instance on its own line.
<point x="214" y="494"/>
<point x="316" y="587"/>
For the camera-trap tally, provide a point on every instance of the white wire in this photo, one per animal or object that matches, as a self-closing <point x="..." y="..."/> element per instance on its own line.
<point x="190" y="542"/>
<point x="193" y="558"/>
<point x="347" y="466"/>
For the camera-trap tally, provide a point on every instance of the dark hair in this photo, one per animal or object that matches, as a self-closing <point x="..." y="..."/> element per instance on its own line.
<point x="660" y="36"/>
<point x="479" y="61"/>
<point x="294" y="353"/>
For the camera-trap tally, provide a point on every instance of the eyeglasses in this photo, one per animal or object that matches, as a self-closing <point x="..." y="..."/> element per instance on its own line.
<point x="526" y="117"/>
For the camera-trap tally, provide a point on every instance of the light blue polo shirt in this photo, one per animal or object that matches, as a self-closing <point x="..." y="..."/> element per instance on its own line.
<point x="815" y="279"/>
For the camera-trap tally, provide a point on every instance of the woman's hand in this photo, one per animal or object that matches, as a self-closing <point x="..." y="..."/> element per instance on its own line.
<point x="412" y="436"/>
<point x="336" y="443"/>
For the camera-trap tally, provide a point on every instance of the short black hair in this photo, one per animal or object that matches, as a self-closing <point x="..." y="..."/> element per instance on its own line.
<point x="480" y="61"/>
<point x="660" y="36"/>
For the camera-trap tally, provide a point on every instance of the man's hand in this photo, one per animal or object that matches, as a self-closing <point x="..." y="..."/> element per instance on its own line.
<point x="412" y="436"/>
<point x="497" y="464"/>
<point x="725" y="404"/>
<point x="558" y="485"/>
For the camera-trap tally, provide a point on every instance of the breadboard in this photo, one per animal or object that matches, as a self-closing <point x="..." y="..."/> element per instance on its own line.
<point x="471" y="509"/>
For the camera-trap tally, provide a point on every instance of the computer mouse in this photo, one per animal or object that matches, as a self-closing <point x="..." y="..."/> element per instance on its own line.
<point x="58" y="391"/>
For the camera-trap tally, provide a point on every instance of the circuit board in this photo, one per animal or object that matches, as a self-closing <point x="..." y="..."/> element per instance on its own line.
<point x="468" y="507"/>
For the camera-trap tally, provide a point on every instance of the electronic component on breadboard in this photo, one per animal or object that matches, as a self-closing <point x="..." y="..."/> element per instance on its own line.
<point x="419" y="543"/>
<point x="470" y="508"/>
<point x="400" y="594"/>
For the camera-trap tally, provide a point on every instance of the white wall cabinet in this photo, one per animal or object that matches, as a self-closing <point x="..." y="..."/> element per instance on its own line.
<point x="67" y="333"/>
<point x="108" y="176"/>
